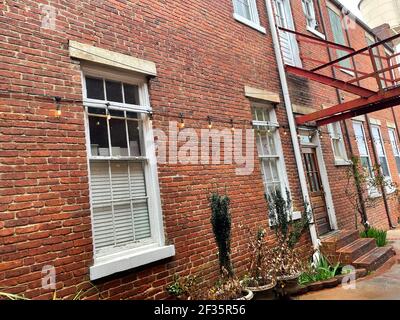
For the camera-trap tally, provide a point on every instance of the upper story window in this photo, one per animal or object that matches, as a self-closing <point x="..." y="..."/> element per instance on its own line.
<point x="311" y="17"/>
<point x="339" y="149"/>
<point x="365" y="158"/>
<point x="378" y="61"/>
<point x="395" y="147"/>
<point x="380" y="149"/>
<point x="338" y="36"/>
<point x="269" y="148"/>
<point x="246" y="12"/>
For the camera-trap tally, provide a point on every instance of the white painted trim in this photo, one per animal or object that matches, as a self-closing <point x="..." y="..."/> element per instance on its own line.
<point x="390" y="125"/>
<point x="249" y="23"/>
<point x="130" y="259"/>
<point x="325" y="184"/>
<point x="339" y="163"/>
<point x="133" y="254"/>
<point x="315" y="32"/>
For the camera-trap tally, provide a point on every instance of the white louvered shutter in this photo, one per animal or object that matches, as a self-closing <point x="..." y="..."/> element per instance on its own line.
<point x="103" y="225"/>
<point x="119" y="200"/>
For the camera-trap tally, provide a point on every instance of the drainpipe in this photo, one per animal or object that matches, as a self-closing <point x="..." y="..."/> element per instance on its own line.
<point x="291" y="121"/>
<point x="375" y="153"/>
<point x="364" y="215"/>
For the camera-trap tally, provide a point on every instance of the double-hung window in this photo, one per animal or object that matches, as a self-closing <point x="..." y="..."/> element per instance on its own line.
<point x="363" y="151"/>
<point x="395" y="147"/>
<point x="123" y="180"/>
<point x="383" y="163"/>
<point x="246" y="12"/>
<point x="339" y="149"/>
<point x="309" y="12"/>
<point x="338" y="36"/>
<point x="269" y="148"/>
<point x="377" y="59"/>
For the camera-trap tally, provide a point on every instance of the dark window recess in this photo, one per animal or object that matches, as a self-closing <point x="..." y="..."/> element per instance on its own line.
<point x="98" y="136"/>
<point x="134" y="138"/>
<point x="118" y="134"/>
<point x="94" y="88"/>
<point x="131" y="94"/>
<point x="114" y="91"/>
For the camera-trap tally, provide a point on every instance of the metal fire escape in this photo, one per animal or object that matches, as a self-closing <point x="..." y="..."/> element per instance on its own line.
<point x="387" y="78"/>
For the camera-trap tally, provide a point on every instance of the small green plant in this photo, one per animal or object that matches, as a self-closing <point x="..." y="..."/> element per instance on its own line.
<point x="182" y="287"/>
<point x="379" y="235"/>
<point x="281" y="217"/>
<point x="320" y="271"/>
<point x="221" y="224"/>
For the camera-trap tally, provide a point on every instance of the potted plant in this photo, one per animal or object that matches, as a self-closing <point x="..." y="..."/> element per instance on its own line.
<point x="261" y="278"/>
<point x="286" y="262"/>
<point x="182" y="288"/>
<point x="226" y="288"/>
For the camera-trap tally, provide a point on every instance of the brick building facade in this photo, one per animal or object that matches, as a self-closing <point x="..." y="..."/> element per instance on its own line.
<point x="198" y="62"/>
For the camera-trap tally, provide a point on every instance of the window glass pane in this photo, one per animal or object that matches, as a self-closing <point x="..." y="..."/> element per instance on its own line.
<point x="336" y="148"/>
<point x="132" y="115"/>
<point x="119" y="145"/>
<point x="94" y="88"/>
<point x="398" y="164"/>
<point x="114" y="91"/>
<point x="338" y="36"/>
<point x="384" y="166"/>
<point x="116" y="113"/>
<point x="131" y="94"/>
<point x="101" y="111"/>
<point x="359" y="133"/>
<point x="242" y="8"/>
<point x="99" y="145"/>
<point x="134" y="138"/>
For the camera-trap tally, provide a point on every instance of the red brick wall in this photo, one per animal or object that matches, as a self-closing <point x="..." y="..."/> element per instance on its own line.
<point x="204" y="59"/>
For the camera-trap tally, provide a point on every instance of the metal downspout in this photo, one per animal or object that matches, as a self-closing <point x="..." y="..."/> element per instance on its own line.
<point x="291" y="120"/>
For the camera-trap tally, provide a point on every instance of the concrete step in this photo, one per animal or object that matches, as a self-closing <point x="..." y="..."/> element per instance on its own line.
<point x="351" y="252"/>
<point x="338" y="239"/>
<point x="374" y="258"/>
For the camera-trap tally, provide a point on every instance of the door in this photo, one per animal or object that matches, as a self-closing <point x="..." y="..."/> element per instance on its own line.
<point x="316" y="191"/>
<point x="284" y="19"/>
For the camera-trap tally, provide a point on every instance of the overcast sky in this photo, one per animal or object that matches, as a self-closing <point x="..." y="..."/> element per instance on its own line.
<point x="352" y="5"/>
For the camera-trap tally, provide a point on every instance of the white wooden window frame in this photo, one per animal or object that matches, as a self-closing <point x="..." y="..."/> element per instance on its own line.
<point x="130" y="256"/>
<point x="254" y="21"/>
<point x="395" y="146"/>
<point x="273" y="125"/>
<point x="311" y="19"/>
<point x="335" y="133"/>
<point x="372" y="191"/>
<point x="388" y="179"/>
<point x="283" y="7"/>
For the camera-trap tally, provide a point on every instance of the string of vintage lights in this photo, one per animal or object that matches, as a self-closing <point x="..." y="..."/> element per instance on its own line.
<point x="210" y="120"/>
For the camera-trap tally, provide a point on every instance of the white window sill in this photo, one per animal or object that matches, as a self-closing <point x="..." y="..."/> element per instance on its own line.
<point x="350" y="73"/>
<point x="296" y="215"/>
<point x="249" y="23"/>
<point x="129" y="259"/>
<point x="342" y="162"/>
<point x="315" y="32"/>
